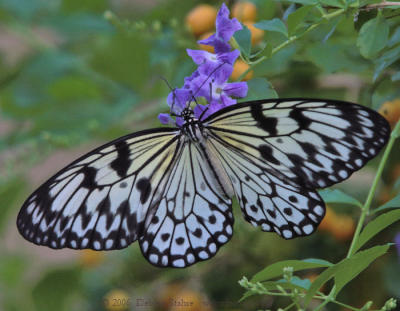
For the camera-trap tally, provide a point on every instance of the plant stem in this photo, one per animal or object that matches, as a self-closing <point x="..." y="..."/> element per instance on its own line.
<point x="325" y="17"/>
<point x="367" y="204"/>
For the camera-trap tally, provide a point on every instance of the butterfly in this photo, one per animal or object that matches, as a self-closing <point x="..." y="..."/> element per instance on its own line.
<point x="172" y="188"/>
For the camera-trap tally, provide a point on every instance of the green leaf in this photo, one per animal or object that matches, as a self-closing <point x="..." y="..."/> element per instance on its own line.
<point x="275" y="25"/>
<point x="377" y="225"/>
<point x="324" y="277"/>
<point x="296" y="18"/>
<point x="304" y="2"/>
<point x="54" y="290"/>
<point x="9" y="193"/>
<point x="334" y="3"/>
<point x="387" y="59"/>
<point x="12" y="270"/>
<point x="338" y="196"/>
<point x="243" y="38"/>
<point x="346" y="270"/>
<point x="295" y="283"/>
<point x="396" y="76"/>
<point x="353" y="266"/>
<point x="373" y="36"/>
<point x="393" y="203"/>
<point x="276" y="269"/>
<point x="260" y="88"/>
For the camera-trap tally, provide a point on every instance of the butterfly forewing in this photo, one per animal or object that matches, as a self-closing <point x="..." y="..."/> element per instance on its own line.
<point x="100" y="200"/>
<point x="277" y="152"/>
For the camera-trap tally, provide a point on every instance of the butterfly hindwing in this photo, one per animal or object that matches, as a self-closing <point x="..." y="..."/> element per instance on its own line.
<point x="194" y="216"/>
<point x="100" y="200"/>
<point x="277" y="152"/>
<point x="267" y="200"/>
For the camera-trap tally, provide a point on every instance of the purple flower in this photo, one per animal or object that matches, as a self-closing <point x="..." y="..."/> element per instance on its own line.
<point x="397" y="242"/>
<point x="225" y="28"/>
<point x="210" y="78"/>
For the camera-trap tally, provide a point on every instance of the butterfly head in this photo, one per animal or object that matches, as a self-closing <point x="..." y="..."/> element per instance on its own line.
<point x="188" y="115"/>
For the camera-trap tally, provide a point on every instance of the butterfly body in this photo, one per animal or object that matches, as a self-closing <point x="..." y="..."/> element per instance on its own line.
<point x="171" y="188"/>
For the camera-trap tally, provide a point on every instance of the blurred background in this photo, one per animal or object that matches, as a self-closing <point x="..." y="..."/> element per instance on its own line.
<point x="76" y="74"/>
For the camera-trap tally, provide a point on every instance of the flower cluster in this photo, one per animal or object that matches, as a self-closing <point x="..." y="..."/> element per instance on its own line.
<point x="209" y="80"/>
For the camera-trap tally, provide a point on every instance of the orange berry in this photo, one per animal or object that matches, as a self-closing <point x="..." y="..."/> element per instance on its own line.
<point x="201" y="19"/>
<point x="384" y="195"/>
<point x="312" y="277"/>
<point x="90" y="258"/>
<point x="329" y="219"/>
<point x="395" y="173"/>
<point x="390" y="110"/>
<point x="204" y="47"/>
<point x="343" y="228"/>
<point x="240" y="67"/>
<point x="116" y="300"/>
<point x="244" y="11"/>
<point x="256" y="34"/>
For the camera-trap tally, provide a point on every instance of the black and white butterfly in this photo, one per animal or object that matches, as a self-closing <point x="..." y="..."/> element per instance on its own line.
<point x="171" y="188"/>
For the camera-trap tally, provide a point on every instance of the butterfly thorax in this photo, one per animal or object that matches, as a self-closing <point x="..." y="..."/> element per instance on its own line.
<point x="192" y="127"/>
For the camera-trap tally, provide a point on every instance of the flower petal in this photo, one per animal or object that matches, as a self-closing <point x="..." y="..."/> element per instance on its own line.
<point x="165" y="118"/>
<point x="236" y="89"/>
<point x="226" y="27"/>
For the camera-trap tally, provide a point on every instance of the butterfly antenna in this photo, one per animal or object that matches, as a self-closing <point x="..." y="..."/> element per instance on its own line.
<point x="203" y="112"/>
<point x="167" y="83"/>
<point x="173" y="98"/>
<point x="201" y="85"/>
<point x="171" y="111"/>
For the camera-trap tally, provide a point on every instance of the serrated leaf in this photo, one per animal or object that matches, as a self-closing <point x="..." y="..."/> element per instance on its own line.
<point x="377" y="225"/>
<point x="373" y="36"/>
<point x="260" y="88"/>
<point x="275" y="25"/>
<point x="338" y="196"/>
<point x="276" y="269"/>
<point x="345" y="270"/>
<point x="296" y="18"/>
<point x="353" y="266"/>
<point x="243" y="38"/>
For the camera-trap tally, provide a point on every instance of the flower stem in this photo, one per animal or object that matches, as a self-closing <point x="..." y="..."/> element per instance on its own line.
<point x="291" y="39"/>
<point x="368" y="201"/>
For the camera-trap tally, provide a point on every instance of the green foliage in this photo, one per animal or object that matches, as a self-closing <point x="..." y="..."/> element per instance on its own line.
<point x="373" y="36"/>
<point x="273" y="25"/>
<point x="243" y="39"/>
<point x="338" y="196"/>
<point x="375" y="226"/>
<point x="260" y="88"/>
<point x="55" y="289"/>
<point x="276" y="269"/>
